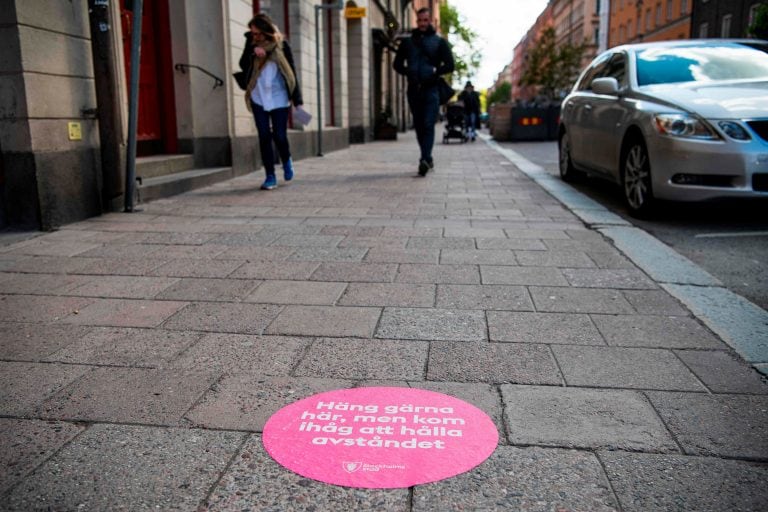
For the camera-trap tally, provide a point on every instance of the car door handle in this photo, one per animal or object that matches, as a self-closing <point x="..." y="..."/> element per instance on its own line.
<point x="587" y="107"/>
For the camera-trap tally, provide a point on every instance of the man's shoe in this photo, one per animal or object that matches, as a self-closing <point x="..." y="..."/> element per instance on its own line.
<point x="270" y="183"/>
<point x="288" y="170"/>
<point x="423" y="167"/>
<point x="431" y="164"/>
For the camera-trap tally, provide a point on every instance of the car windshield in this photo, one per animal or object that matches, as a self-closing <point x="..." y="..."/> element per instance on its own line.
<point x="706" y="63"/>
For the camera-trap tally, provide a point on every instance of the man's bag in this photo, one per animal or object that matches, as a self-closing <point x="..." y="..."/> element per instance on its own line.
<point x="445" y="91"/>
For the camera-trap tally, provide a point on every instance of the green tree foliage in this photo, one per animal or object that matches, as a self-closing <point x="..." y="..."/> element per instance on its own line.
<point x="759" y="26"/>
<point x="550" y="67"/>
<point x="502" y="94"/>
<point x="462" y="39"/>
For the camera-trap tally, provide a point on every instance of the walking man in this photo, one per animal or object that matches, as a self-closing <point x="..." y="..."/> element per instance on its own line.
<point x="423" y="58"/>
<point x="471" y="101"/>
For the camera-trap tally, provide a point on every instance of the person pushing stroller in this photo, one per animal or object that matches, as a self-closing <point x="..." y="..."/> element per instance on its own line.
<point x="471" y="101"/>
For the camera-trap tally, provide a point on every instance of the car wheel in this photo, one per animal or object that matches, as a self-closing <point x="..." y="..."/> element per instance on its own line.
<point x="567" y="171"/>
<point x="636" y="178"/>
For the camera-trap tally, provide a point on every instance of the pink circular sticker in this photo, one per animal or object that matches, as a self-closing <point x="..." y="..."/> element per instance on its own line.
<point x="380" y="437"/>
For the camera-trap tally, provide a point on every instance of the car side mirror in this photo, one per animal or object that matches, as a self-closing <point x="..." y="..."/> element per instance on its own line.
<point x="607" y="85"/>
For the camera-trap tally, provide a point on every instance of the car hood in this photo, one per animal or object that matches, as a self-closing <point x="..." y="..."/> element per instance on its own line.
<point x="713" y="100"/>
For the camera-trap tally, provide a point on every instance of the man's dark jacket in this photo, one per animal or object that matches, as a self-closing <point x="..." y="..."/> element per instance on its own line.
<point x="423" y="57"/>
<point x="471" y="100"/>
<point x="246" y="64"/>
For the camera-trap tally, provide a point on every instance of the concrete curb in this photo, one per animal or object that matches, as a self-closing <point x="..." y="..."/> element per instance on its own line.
<point x="739" y="322"/>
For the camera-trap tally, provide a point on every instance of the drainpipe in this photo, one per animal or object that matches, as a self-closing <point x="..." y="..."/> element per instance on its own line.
<point x="133" y="105"/>
<point x="337" y="6"/>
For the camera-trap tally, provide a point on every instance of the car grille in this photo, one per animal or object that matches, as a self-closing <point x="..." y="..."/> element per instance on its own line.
<point x="760" y="128"/>
<point x="760" y="182"/>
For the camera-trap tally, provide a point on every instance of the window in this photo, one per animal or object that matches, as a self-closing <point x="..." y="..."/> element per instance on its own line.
<point x="683" y="7"/>
<point x="752" y="13"/>
<point x="704" y="30"/>
<point x="725" y="26"/>
<point x="658" y="15"/>
<point x="597" y="7"/>
<point x="622" y="34"/>
<point x="648" y="19"/>
<point x="670" y="7"/>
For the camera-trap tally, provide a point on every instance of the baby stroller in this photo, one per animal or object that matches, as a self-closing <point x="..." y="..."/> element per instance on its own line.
<point x="455" y="124"/>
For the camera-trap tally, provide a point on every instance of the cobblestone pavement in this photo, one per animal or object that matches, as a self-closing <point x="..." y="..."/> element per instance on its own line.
<point x="141" y="354"/>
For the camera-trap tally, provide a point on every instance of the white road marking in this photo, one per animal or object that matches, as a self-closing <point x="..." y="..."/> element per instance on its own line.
<point x="732" y="235"/>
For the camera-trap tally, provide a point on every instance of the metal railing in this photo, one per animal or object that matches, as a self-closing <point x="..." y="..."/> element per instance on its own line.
<point x="184" y="67"/>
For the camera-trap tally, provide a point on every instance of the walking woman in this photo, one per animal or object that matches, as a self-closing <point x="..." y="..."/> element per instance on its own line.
<point x="272" y="87"/>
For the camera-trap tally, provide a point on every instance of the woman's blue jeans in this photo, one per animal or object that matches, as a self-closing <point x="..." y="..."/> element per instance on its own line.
<point x="272" y="126"/>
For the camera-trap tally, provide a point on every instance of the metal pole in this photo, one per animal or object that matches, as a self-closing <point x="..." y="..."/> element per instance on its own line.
<point x="319" y="92"/>
<point x="133" y="105"/>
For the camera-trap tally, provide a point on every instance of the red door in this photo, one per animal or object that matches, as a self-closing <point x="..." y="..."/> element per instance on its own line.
<point x="156" y="130"/>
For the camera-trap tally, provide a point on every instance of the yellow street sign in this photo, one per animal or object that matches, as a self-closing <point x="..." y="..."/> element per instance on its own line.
<point x="354" y="12"/>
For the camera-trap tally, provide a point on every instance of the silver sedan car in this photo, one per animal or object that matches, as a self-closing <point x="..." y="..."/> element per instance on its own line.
<point x="675" y="120"/>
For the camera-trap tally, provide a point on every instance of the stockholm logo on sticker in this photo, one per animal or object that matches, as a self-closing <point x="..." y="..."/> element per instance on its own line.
<point x="380" y="437"/>
<point x="351" y="467"/>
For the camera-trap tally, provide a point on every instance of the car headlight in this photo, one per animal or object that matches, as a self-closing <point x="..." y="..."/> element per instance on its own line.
<point x="684" y="125"/>
<point x="734" y="130"/>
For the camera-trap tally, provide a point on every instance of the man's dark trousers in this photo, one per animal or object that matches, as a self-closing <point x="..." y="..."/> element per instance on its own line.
<point x="425" y="104"/>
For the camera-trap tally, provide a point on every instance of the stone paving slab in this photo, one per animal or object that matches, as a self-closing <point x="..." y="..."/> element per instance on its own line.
<point x="240" y="353"/>
<point x="125" y="347"/>
<point x="355" y="272"/>
<point x="579" y="300"/>
<point x="716" y="425"/>
<point x="542" y="276"/>
<point x="645" y="482"/>
<point x="584" y="418"/>
<point x="223" y="290"/>
<point x="120" y="266"/>
<point x="523" y="327"/>
<point x="560" y="259"/>
<point x="120" y="467"/>
<point x="224" y="317"/>
<point x="41" y="284"/>
<point x="338" y="358"/>
<point x="339" y="321"/>
<point x="492" y="363"/>
<point x="194" y="267"/>
<point x="655" y="302"/>
<point x="477" y="257"/>
<point x="124" y="312"/>
<point x="389" y="294"/>
<point x="432" y="324"/>
<point x="393" y="255"/>
<point x="655" y="331"/>
<point x="622" y="279"/>
<point x="527" y="244"/>
<point x="628" y="368"/>
<point x="27" y="308"/>
<point x="23" y="386"/>
<point x="438" y="274"/>
<point x="487" y="297"/>
<point x="245" y="402"/>
<point x="255" y="482"/>
<point x="297" y="292"/>
<point x="33" y="342"/>
<point x="723" y="372"/>
<point x="271" y="270"/>
<point x="25" y="444"/>
<point x="123" y="287"/>
<point x="530" y="479"/>
<point x="156" y="397"/>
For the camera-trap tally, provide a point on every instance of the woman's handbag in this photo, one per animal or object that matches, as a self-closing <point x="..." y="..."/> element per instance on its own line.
<point x="445" y="91"/>
<point x="241" y="79"/>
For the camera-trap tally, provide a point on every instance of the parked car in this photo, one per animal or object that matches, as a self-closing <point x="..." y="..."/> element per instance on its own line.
<point x="674" y="120"/>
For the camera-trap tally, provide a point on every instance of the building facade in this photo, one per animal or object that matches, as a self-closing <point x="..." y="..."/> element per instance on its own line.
<point x="64" y="93"/>
<point x="721" y="18"/>
<point x="634" y="21"/>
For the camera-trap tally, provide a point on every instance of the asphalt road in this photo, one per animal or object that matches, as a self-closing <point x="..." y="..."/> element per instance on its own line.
<point x="727" y="239"/>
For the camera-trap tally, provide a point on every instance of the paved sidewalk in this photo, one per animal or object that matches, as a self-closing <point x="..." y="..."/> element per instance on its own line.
<point x="141" y="354"/>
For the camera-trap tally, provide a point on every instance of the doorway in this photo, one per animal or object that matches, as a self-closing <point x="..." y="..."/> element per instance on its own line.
<point x="156" y="128"/>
